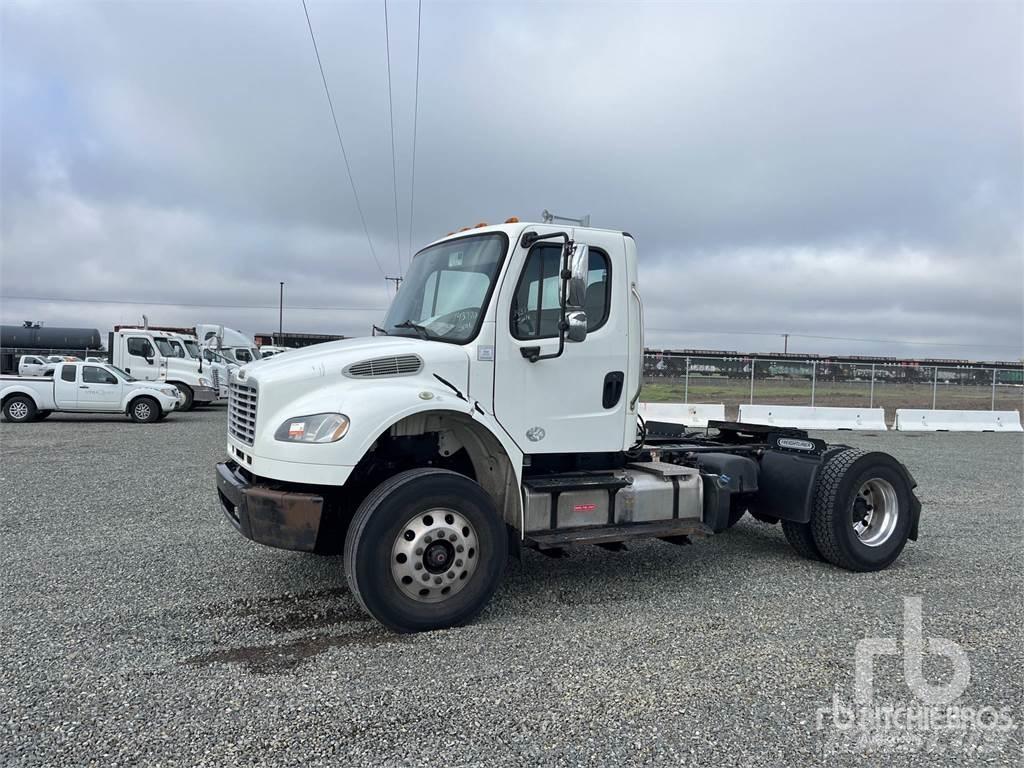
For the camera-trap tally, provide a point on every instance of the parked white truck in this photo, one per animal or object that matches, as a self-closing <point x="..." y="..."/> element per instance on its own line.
<point x="148" y="354"/>
<point x="233" y="345"/>
<point x="85" y="388"/>
<point x="35" y="365"/>
<point x="500" y="411"/>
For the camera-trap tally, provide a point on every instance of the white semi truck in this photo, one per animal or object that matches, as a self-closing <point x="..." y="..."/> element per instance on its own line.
<point x="499" y="411"/>
<point x="148" y="354"/>
<point x="85" y="388"/>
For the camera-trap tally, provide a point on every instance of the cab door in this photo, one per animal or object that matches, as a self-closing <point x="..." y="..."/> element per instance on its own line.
<point x="100" y="390"/>
<point x="65" y="387"/>
<point x="140" y="358"/>
<point x="574" y="403"/>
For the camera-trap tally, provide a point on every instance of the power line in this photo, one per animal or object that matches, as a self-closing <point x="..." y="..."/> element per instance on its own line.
<point x="415" y="120"/>
<point x="337" y="131"/>
<point x="391" y="120"/>
<point x="829" y="338"/>
<point x="187" y="304"/>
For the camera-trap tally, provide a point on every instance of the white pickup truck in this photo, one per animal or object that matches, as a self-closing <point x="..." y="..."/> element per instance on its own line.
<point x="86" y="388"/>
<point x="35" y="365"/>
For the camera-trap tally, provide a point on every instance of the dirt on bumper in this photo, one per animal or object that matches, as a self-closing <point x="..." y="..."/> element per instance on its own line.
<point x="276" y="518"/>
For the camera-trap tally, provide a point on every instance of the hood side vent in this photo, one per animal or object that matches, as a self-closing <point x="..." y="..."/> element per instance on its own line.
<point x="378" y="367"/>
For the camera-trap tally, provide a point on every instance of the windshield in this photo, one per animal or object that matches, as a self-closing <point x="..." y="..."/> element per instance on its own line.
<point x="164" y="347"/>
<point x="193" y="349"/>
<point x="121" y="373"/>
<point x="444" y="294"/>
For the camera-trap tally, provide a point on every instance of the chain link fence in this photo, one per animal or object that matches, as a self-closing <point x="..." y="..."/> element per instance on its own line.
<point x="735" y="380"/>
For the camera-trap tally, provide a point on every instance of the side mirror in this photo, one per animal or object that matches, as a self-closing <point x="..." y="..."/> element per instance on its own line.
<point x="578" y="264"/>
<point x="577" y="325"/>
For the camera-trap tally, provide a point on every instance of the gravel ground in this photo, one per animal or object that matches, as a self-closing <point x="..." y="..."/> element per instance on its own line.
<point x="140" y="628"/>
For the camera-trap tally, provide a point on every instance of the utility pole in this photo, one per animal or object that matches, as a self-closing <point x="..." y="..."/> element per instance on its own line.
<point x="280" y="313"/>
<point x="396" y="280"/>
<point x="785" y="343"/>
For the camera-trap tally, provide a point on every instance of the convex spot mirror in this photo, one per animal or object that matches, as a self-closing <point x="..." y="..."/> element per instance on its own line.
<point x="577" y="326"/>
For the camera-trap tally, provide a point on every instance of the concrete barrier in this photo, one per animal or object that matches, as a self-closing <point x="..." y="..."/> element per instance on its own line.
<point x="808" y="417"/>
<point x="687" y="414"/>
<point x="919" y="420"/>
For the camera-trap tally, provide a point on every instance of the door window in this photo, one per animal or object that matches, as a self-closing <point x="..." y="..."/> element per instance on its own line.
<point x="535" y="308"/>
<point x="92" y="374"/>
<point x="140" y="347"/>
<point x="242" y="355"/>
<point x="67" y="373"/>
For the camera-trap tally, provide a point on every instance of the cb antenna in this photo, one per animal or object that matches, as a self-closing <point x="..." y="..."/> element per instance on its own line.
<point x="549" y="218"/>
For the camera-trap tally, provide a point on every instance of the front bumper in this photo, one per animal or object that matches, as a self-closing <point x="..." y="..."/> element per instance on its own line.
<point x="282" y="519"/>
<point x="204" y="394"/>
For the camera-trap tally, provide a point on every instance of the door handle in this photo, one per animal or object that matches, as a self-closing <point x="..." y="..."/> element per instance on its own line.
<point x="82" y="386"/>
<point x="612" y="389"/>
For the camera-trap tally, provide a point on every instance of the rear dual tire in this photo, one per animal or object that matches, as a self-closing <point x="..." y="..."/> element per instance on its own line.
<point x="863" y="512"/>
<point x="426" y="550"/>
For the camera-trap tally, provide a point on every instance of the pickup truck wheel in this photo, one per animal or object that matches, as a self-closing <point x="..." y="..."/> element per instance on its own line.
<point x="862" y="510"/>
<point x="19" y="408"/>
<point x="186" y="390"/>
<point x="425" y="550"/>
<point x="144" y="409"/>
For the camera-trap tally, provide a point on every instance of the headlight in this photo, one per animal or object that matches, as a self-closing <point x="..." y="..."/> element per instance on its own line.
<point x="204" y="382"/>
<point x="318" y="428"/>
<point x="170" y="391"/>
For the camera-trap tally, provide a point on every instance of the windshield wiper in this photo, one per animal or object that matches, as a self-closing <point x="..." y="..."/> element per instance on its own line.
<point x="421" y="330"/>
<point x="379" y="330"/>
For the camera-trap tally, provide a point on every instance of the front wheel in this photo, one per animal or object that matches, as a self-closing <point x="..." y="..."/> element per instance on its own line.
<point x="144" y="410"/>
<point x="189" y="396"/>
<point x="864" y="510"/>
<point x="425" y="550"/>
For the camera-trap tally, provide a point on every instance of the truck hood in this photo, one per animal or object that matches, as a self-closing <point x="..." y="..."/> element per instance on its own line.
<point x="327" y="361"/>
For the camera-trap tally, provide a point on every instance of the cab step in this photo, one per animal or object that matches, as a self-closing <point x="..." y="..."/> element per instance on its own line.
<point x="543" y="540"/>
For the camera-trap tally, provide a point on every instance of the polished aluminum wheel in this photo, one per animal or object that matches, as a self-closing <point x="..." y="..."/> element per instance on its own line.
<point x="143" y="411"/>
<point x="18" y="411"/>
<point x="434" y="555"/>
<point x="876" y="510"/>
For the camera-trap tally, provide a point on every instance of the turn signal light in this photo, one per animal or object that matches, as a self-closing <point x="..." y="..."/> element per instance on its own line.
<point x="512" y="220"/>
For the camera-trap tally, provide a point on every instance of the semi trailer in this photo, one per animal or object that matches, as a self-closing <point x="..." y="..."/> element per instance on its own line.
<point x="498" y="410"/>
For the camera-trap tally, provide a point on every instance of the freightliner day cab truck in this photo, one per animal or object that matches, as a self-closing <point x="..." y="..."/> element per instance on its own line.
<point x="499" y="411"/>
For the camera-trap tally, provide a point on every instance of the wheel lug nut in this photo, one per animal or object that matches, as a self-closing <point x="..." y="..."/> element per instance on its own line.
<point x="437" y="579"/>
<point x="418" y="566"/>
<point x="452" y="537"/>
<point x="427" y="539"/>
<point x="426" y="577"/>
<point x="458" y="563"/>
<point x="419" y="550"/>
<point x="459" y="548"/>
<point x="451" y="574"/>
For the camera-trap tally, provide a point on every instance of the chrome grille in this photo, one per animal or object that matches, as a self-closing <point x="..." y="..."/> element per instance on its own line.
<point x="395" y="365"/>
<point x="215" y="375"/>
<point x="242" y="412"/>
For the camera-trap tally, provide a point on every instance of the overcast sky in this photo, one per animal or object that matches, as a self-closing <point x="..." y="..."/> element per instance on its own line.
<point x="844" y="170"/>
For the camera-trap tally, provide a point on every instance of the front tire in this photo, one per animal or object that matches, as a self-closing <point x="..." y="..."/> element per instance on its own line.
<point x="144" y="410"/>
<point x="425" y="550"/>
<point x="185" y="390"/>
<point x="863" y="510"/>
<point x="20" y="409"/>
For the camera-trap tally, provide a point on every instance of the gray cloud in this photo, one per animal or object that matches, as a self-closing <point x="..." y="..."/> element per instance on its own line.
<point x="837" y="170"/>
